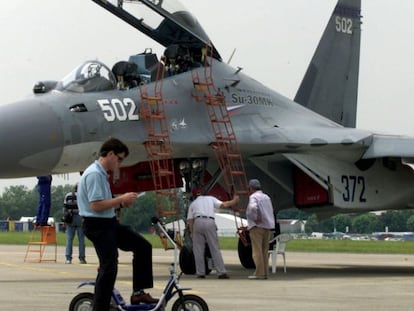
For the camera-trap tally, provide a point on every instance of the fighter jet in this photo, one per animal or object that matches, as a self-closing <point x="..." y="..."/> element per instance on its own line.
<point x="189" y="115"/>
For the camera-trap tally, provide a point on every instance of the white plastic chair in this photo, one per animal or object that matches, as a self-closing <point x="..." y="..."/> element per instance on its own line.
<point x="279" y="249"/>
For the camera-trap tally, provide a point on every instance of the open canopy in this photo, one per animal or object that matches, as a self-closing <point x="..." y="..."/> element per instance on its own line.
<point x="166" y="21"/>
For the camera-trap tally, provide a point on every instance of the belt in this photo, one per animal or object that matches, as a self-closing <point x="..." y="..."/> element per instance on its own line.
<point x="208" y="217"/>
<point x="98" y="220"/>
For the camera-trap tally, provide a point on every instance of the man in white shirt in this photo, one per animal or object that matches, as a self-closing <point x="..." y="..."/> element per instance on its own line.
<point x="260" y="223"/>
<point x="203" y="230"/>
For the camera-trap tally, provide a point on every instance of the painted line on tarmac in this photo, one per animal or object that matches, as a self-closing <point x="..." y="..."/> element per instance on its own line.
<point x="50" y="270"/>
<point x="76" y="275"/>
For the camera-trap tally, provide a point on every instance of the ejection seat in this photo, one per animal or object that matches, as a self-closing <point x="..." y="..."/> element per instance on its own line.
<point x="126" y="74"/>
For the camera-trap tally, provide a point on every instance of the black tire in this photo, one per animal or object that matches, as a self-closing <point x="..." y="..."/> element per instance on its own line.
<point x="192" y="303"/>
<point x="187" y="263"/>
<point x="81" y="302"/>
<point x="186" y="260"/>
<point x="245" y="254"/>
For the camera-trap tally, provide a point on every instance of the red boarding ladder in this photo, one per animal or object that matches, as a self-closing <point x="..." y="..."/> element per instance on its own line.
<point x="225" y="147"/>
<point x="160" y="153"/>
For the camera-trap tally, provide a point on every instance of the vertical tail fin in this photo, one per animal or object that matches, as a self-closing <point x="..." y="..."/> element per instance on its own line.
<point x="330" y="85"/>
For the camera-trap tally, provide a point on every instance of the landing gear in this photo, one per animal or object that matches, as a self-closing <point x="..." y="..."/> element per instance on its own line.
<point x="187" y="264"/>
<point x="245" y="252"/>
<point x="186" y="260"/>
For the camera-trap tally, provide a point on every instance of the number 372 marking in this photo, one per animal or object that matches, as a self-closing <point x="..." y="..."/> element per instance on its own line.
<point x="354" y="188"/>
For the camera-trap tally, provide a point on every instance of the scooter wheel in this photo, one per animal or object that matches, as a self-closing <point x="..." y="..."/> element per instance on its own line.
<point x="191" y="303"/>
<point x="81" y="302"/>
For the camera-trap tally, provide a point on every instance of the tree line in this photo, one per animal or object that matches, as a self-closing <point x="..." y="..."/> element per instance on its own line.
<point x="19" y="201"/>
<point x="391" y="221"/>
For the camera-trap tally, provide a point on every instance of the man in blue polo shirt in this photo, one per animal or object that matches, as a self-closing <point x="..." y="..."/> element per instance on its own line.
<point x="97" y="206"/>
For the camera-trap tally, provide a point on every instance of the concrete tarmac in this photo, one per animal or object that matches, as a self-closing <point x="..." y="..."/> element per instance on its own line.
<point x="314" y="281"/>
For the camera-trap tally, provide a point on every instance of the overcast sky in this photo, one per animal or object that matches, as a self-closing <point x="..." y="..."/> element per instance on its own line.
<point x="274" y="42"/>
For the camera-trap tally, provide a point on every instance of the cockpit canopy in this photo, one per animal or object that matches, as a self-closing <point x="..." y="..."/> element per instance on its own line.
<point x="166" y="21"/>
<point x="90" y="76"/>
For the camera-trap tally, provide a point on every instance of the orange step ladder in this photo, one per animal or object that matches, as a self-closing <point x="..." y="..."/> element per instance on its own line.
<point x="40" y="238"/>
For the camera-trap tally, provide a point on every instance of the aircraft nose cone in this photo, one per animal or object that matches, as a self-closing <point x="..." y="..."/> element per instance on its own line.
<point x="31" y="139"/>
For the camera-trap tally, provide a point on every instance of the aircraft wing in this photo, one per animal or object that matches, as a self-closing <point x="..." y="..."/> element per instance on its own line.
<point x="276" y="141"/>
<point x="390" y="146"/>
<point x="372" y="145"/>
<point x="318" y="136"/>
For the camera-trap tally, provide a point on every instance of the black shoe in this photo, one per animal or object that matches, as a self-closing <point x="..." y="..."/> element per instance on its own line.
<point x="142" y="298"/>
<point x="201" y="276"/>
<point x="223" y="276"/>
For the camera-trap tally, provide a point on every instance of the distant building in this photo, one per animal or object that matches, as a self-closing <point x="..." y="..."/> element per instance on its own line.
<point x="292" y="225"/>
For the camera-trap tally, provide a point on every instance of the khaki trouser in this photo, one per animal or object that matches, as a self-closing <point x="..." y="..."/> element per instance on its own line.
<point x="260" y="249"/>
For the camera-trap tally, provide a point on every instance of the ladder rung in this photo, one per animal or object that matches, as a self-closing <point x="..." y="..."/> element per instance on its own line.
<point x="166" y="155"/>
<point x="202" y="86"/>
<point x="237" y="172"/>
<point x="165" y="172"/>
<point x="225" y="138"/>
<point x="152" y="100"/>
<point x="154" y="143"/>
<point x="156" y="116"/>
<point x="214" y="102"/>
<point x="220" y="121"/>
<point x="161" y="155"/>
<point x="242" y="192"/>
<point x="159" y="135"/>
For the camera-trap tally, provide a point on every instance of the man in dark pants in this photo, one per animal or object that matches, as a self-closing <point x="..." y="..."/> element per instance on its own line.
<point x="43" y="187"/>
<point x="73" y="225"/>
<point x="97" y="206"/>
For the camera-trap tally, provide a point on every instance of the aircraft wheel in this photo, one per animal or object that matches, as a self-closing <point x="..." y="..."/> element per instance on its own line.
<point x="81" y="302"/>
<point x="187" y="263"/>
<point x="192" y="302"/>
<point x="186" y="260"/>
<point x="245" y="254"/>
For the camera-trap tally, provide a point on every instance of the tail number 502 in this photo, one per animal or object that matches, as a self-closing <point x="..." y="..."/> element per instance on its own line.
<point x="354" y="188"/>
<point x="343" y="24"/>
